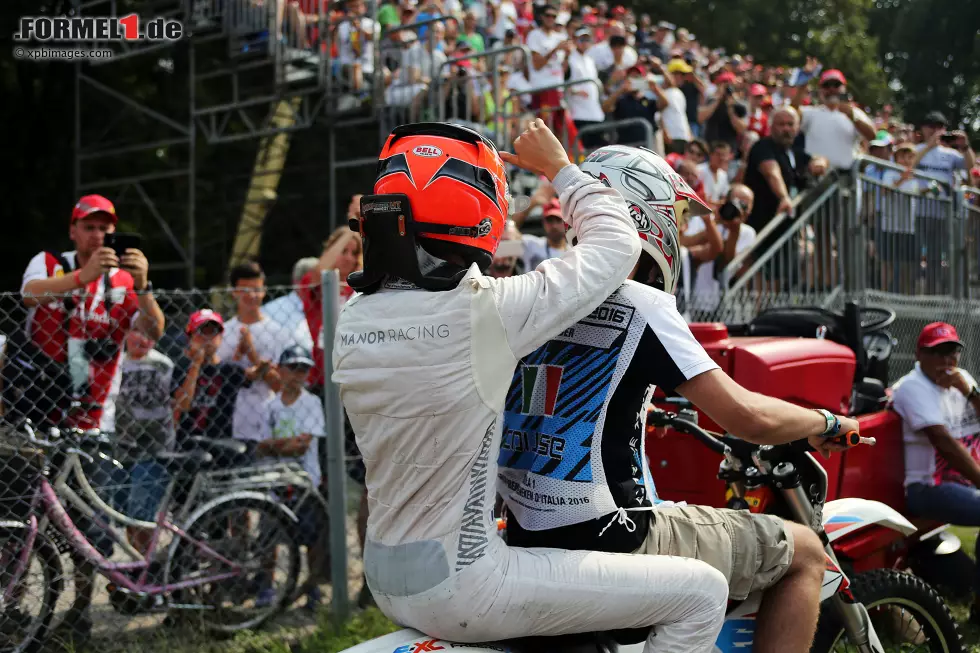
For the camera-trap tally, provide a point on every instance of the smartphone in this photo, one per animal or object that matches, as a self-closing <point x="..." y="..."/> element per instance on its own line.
<point x="121" y="241"/>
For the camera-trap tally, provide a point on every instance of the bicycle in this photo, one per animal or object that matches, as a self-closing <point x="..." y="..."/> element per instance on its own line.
<point x="234" y="469"/>
<point x="198" y="572"/>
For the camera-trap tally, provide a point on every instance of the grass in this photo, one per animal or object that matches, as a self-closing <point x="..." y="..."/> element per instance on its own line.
<point x="971" y="633"/>
<point x="361" y="627"/>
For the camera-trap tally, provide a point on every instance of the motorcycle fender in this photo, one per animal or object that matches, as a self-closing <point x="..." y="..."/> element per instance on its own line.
<point x="844" y="516"/>
<point x="409" y="640"/>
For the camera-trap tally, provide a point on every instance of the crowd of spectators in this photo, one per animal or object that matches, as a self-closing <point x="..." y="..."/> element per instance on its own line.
<point x="720" y="118"/>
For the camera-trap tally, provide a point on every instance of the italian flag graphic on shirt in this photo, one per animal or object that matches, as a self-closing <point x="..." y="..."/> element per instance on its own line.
<point x="540" y="389"/>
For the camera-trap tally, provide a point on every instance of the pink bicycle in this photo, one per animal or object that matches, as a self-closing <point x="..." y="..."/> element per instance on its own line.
<point x="213" y="566"/>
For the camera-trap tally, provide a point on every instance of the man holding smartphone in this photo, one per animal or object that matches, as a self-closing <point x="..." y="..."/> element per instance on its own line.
<point x="82" y="304"/>
<point x="942" y="153"/>
<point x="834" y="128"/>
<point x="86" y="329"/>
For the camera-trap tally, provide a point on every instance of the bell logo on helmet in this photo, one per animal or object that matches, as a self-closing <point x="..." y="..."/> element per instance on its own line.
<point x="483" y="229"/>
<point x="428" y="151"/>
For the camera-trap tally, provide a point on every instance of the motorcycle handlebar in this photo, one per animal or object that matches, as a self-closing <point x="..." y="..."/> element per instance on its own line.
<point x="657" y="417"/>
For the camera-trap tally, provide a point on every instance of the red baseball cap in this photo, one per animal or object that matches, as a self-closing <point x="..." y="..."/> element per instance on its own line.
<point x="757" y="90"/>
<point x="552" y="208"/>
<point x="673" y="159"/>
<point x="833" y="75"/>
<point x="937" y="333"/>
<point x="725" y="77"/>
<point x="90" y="204"/>
<point x="638" y="68"/>
<point x="202" y="317"/>
<point x="619" y="10"/>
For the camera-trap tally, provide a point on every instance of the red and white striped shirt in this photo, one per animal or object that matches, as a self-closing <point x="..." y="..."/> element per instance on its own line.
<point x="90" y="321"/>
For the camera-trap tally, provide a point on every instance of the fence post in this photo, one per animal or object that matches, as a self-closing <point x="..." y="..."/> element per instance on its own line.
<point x="957" y="240"/>
<point x="336" y="467"/>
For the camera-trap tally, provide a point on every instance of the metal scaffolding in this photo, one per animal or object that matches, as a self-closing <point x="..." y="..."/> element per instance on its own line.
<point x="238" y="77"/>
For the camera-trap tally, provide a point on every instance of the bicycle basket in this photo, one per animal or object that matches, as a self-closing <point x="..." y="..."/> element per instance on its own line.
<point x="20" y="468"/>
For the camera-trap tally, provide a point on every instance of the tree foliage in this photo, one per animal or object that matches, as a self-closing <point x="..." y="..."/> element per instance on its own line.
<point x="785" y="33"/>
<point x="931" y="49"/>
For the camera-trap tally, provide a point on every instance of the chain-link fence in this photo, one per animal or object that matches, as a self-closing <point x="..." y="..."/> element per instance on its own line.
<point x="163" y="464"/>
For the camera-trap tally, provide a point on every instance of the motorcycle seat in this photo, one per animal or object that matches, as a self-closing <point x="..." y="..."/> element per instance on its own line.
<point x="579" y="643"/>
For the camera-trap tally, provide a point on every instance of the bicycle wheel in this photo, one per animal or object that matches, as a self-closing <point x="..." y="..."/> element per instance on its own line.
<point x="907" y="614"/>
<point x="254" y="534"/>
<point x="25" y="620"/>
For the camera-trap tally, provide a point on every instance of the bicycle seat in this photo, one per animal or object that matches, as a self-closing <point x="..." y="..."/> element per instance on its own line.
<point x="184" y="462"/>
<point x="218" y="447"/>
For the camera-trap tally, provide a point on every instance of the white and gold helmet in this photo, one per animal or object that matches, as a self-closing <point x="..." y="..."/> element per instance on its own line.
<point x="659" y="201"/>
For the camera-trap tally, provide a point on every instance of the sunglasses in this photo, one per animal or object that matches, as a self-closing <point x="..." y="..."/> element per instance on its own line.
<point x="551" y="15"/>
<point x="296" y="367"/>
<point x="832" y="84"/>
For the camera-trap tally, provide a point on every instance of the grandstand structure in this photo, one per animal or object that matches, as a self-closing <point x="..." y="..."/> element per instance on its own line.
<point x="232" y="81"/>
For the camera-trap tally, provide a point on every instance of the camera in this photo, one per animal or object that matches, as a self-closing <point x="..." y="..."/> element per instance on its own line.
<point x="948" y="138"/>
<point x="729" y="90"/>
<point x="101" y="350"/>
<point x="732" y="209"/>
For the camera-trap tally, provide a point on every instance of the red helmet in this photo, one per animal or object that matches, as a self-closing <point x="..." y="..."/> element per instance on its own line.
<point x="440" y="198"/>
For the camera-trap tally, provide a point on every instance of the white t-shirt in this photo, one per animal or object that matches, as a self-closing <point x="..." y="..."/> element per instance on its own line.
<point x="506" y="19"/>
<point x="353" y="48"/>
<point x="518" y="83"/>
<point x="706" y="294"/>
<point x="715" y="184"/>
<point x="288" y="311"/>
<point x="897" y="211"/>
<point x="581" y="66"/>
<point x="144" y="405"/>
<point x="941" y="163"/>
<point x="922" y="403"/>
<point x="269" y="339"/>
<point x="537" y="249"/>
<point x="603" y="57"/>
<point x="542" y="43"/>
<point x="831" y="134"/>
<point x="305" y="415"/>
<point x="674" y="115"/>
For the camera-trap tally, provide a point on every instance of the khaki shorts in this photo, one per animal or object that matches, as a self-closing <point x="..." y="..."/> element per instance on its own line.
<point x="753" y="551"/>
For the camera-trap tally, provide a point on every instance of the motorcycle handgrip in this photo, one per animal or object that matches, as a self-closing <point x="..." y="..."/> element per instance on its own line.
<point x="851" y="439"/>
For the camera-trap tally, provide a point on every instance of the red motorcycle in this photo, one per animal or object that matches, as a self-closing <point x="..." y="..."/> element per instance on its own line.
<point x="819" y="359"/>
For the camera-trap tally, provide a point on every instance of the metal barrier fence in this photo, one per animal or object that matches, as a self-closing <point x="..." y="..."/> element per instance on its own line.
<point x="968" y="198"/>
<point x="192" y="463"/>
<point x="910" y="228"/>
<point x="801" y="261"/>
<point x="879" y="229"/>
<point x="912" y="314"/>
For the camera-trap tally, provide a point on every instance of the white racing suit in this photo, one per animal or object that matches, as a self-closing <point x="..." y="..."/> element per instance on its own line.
<point x="423" y="376"/>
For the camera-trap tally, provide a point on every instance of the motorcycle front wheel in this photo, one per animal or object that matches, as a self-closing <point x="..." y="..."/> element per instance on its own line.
<point x="907" y="615"/>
